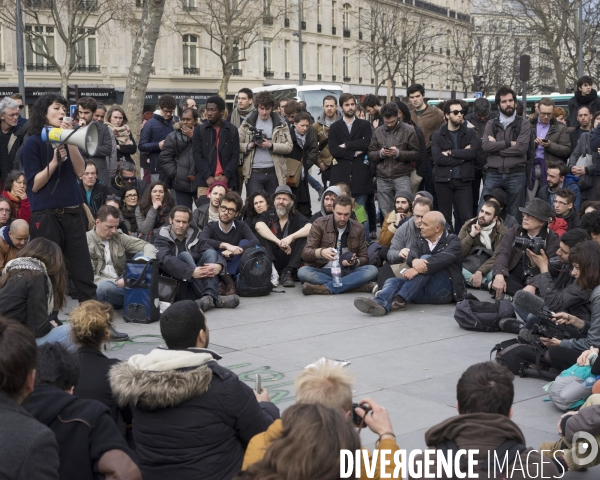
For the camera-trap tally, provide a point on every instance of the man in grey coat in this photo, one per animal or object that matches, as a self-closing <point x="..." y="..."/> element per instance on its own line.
<point x="408" y="231"/>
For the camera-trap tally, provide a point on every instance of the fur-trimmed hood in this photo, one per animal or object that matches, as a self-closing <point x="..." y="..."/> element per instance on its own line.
<point x="163" y="378"/>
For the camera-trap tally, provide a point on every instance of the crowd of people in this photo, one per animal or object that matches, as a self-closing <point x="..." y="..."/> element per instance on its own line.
<point x="453" y="193"/>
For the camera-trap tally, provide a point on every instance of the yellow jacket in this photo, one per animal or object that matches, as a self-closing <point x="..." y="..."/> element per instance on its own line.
<point x="259" y="444"/>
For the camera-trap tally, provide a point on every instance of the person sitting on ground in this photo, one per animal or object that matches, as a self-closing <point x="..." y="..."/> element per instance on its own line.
<point x="108" y="248"/>
<point x="208" y="211"/>
<point x="29" y="449"/>
<point x="359" y="212"/>
<point x="484" y="397"/>
<point x="16" y="192"/>
<point x="256" y="204"/>
<point x="230" y="237"/>
<point x="587" y="207"/>
<point x="590" y="222"/>
<point x="93" y="190"/>
<point x="336" y="237"/>
<point x="564" y="206"/>
<point x="188" y="258"/>
<point x="330" y="385"/>
<point x="89" y="442"/>
<point x="153" y="210"/>
<point x="283" y="231"/>
<point x="327" y="199"/>
<point x="192" y="418"/>
<point x="127" y="178"/>
<point x="512" y="268"/>
<point x="501" y="198"/>
<point x="12" y="239"/>
<point x="33" y="288"/>
<point x="558" y="177"/>
<point x="402" y="210"/>
<point x="90" y="329"/>
<point x="6" y="209"/>
<point x="115" y="201"/>
<point x="434" y="277"/>
<point x="484" y="231"/>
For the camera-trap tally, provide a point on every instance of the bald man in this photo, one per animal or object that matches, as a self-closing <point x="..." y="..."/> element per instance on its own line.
<point x="12" y="239"/>
<point x="435" y="273"/>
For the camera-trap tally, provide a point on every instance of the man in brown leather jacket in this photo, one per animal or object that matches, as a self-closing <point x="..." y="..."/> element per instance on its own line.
<point x="338" y="237"/>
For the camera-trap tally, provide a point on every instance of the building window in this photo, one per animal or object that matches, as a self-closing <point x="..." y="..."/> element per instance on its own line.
<point x="319" y="12"/>
<point x="36" y="36"/>
<point x="286" y="56"/>
<point x="266" y="7"/>
<point x="333" y="59"/>
<point x="319" y="58"/>
<point x="188" y="5"/>
<point x="345" y="64"/>
<point x="333" y="8"/>
<point x="346" y="17"/>
<point x="84" y="53"/>
<point x="267" y="55"/>
<point x="1" y="63"/>
<point x="190" y="54"/>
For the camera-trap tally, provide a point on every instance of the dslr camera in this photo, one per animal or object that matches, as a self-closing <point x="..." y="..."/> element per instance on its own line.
<point x="355" y="418"/>
<point x="534" y="244"/>
<point x="259" y="136"/>
<point x="549" y="329"/>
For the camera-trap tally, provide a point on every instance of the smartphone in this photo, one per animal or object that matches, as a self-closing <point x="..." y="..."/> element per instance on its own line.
<point x="386" y="147"/>
<point x="257" y="385"/>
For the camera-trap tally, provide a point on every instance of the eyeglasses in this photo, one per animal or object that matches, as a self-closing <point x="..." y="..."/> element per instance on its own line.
<point x="167" y="112"/>
<point x="4" y="210"/>
<point x="113" y="197"/>
<point x="230" y="211"/>
<point x="131" y="196"/>
<point x="458" y="112"/>
<point x="558" y="202"/>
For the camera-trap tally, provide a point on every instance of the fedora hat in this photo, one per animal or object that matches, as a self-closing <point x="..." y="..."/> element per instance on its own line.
<point x="499" y="195"/>
<point x="539" y="209"/>
<point x="283" y="189"/>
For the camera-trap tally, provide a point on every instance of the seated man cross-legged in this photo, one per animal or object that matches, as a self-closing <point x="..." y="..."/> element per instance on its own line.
<point x="332" y="236"/>
<point x="435" y="276"/>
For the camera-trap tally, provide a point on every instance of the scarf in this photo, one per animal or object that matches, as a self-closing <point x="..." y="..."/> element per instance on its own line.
<point x="5" y="236"/>
<point x="585" y="99"/>
<point x="29" y="263"/>
<point x="484" y="235"/>
<point x="121" y="133"/>
<point x="301" y="139"/>
<point x="506" y="121"/>
<point x="238" y="114"/>
<point x="16" y="202"/>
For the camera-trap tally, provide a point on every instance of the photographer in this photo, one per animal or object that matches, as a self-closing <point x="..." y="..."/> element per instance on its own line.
<point x="265" y="168"/>
<point x="512" y="268"/>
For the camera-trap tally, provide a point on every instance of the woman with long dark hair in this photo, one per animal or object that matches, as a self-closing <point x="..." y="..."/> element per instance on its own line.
<point x="33" y="286"/>
<point x="15" y="191"/>
<point x="53" y="191"/>
<point x="153" y="210"/>
<point x="256" y="204"/>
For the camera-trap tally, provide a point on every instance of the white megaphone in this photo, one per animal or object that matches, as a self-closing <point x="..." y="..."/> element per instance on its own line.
<point x="85" y="138"/>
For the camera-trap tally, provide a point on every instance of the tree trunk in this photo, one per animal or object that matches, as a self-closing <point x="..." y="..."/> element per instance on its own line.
<point x="377" y="85"/>
<point x="64" y="82"/>
<point x="142" y="57"/>
<point x="558" y="71"/>
<point x="225" y="82"/>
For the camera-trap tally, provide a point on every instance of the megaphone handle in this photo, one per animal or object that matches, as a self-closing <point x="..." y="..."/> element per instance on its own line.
<point x="75" y="128"/>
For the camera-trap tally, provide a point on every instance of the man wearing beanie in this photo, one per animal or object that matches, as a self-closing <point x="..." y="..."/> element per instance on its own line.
<point x="402" y="211"/>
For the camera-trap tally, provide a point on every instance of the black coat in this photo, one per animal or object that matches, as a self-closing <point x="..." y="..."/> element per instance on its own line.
<point x="99" y="194"/>
<point x="124" y="152"/>
<point x="350" y="169"/>
<point x="205" y="154"/>
<point x="308" y="156"/>
<point x="464" y="158"/>
<point x="445" y="256"/>
<point x="421" y="166"/>
<point x="8" y="163"/>
<point x="83" y="429"/>
<point x="177" y="161"/>
<point x="479" y="130"/>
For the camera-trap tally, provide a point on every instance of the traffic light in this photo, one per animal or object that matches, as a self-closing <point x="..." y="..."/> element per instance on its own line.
<point x="72" y="93"/>
<point x="478" y="83"/>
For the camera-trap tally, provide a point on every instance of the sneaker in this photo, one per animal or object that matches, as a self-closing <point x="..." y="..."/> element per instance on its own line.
<point x="227" y="301"/>
<point x="310" y="289"/>
<point x="375" y="289"/>
<point x="117" y="336"/>
<point x="369" y="306"/>
<point x="206" y="303"/>
<point x="511" y="325"/>
<point x="366" y="288"/>
<point x="286" y="279"/>
<point x="398" y="304"/>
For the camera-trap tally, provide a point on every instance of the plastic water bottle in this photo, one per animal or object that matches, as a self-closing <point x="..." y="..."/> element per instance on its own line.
<point x="366" y="160"/>
<point x="589" y="382"/>
<point x="336" y="272"/>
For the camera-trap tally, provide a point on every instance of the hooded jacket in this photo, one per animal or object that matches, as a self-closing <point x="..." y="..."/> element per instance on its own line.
<point x="155" y="131"/>
<point x="570" y="183"/>
<point x="468" y="242"/>
<point x="322" y="130"/>
<point x="177" y="160"/>
<point x="486" y="432"/>
<point x="192" y="417"/>
<point x="404" y="138"/>
<point x="84" y="430"/>
<point x="579" y="100"/>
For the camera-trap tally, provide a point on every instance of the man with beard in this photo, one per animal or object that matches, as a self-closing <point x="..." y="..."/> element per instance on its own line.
<point x="506" y="140"/>
<point x="402" y="210"/>
<point x="484" y="231"/>
<point x="454" y="151"/>
<point x="209" y="211"/>
<point x="338" y="237"/>
<point x="557" y="177"/>
<point x="327" y="200"/>
<point x="283" y="233"/>
<point x="244" y="108"/>
<point x="585" y="95"/>
<point x="330" y="114"/>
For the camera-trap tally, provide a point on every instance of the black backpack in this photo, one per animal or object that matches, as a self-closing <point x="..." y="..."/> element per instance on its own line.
<point x="524" y="358"/>
<point x="482" y="316"/>
<point x="254" y="279"/>
<point x="476" y="258"/>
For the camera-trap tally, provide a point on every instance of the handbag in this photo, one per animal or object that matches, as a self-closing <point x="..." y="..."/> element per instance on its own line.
<point x="167" y="289"/>
<point x="476" y="258"/>
<point x="294" y="172"/>
<point x="482" y="316"/>
<point x="141" y="303"/>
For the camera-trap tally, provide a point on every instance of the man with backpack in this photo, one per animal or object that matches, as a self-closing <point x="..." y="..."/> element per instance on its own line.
<point x="484" y="397"/>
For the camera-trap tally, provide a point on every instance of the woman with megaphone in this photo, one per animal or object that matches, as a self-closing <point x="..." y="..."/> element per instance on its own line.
<point x="52" y="176"/>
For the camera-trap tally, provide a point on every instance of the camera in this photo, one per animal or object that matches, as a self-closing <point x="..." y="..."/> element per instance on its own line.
<point x="259" y="136"/>
<point x="355" y="418"/>
<point x="548" y="329"/>
<point x="534" y="244"/>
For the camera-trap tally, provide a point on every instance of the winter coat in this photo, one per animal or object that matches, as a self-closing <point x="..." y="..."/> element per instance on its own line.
<point x="14" y="143"/>
<point x="593" y="335"/>
<point x="558" y="136"/>
<point x="559" y="226"/>
<point x="167" y="252"/>
<point x="388" y="229"/>
<point x="200" y="217"/>
<point x="429" y="121"/>
<point x="205" y="152"/>
<point x="7" y="252"/>
<point x="177" y="161"/>
<point x="569" y="183"/>
<point x="99" y="193"/>
<point x="155" y="131"/>
<point x="125" y="152"/>
<point x="323" y="138"/>
<point x="445" y="256"/>
<point x="480" y="129"/>
<point x="468" y="242"/>
<point x="562" y="294"/>
<point x="152" y="221"/>
<point x="575" y="135"/>
<point x="192" y="417"/>
<point x="404" y="138"/>
<point x="485" y="432"/>
<point x="120" y="245"/>
<point x="25" y="298"/>
<point x="346" y="167"/>
<point x="20" y="207"/>
<point x="83" y="428"/>
<point x="464" y="157"/>
<point x="105" y="156"/>
<point x="579" y="100"/>
<point x="30" y="450"/>
<point x="587" y="182"/>
<point x="404" y="237"/>
<point x="502" y="156"/>
<point x="281" y="140"/>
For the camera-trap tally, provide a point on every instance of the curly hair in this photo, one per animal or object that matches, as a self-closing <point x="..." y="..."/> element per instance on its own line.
<point x="250" y="212"/>
<point x="146" y="200"/>
<point x="90" y="323"/>
<point x="11" y="178"/>
<point x="266" y="99"/>
<point x="39" y="111"/>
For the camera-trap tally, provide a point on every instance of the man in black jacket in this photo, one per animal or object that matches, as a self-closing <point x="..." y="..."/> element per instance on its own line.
<point x="454" y="150"/>
<point x="11" y="136"/>
<point x="434" y="277"/>
<point x="89" y="442"/>
<point x="184" y="256"/>
<point x="564" y="206"/>
<point x="192" y="417"/>
<point x="216" y="146"/>
<point x="93" y="190"/>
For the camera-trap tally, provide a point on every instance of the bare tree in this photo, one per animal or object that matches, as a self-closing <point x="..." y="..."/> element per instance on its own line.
<point x="71" y="22"/>
<point x="462" y="52"/>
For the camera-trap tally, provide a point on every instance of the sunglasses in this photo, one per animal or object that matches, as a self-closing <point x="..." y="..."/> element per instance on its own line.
<point x="128" y="179"/>
<point x="458" y="112"/>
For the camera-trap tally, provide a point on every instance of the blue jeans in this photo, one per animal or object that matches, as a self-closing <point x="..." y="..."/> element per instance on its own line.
<point x="203" y="286"/>
<point x="60" y="335"/>
<point x="185" y="198"/>
<point x="313" y="182"/>
<point x="322" y="276"/>
<point x="514" y="184"/>
<point x="362" y="199"/>
<point x="233" y="263"/>
<point x="108" y="291"/>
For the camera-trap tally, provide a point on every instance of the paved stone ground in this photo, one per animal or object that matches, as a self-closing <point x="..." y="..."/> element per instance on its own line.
<point x="408" y="361"/>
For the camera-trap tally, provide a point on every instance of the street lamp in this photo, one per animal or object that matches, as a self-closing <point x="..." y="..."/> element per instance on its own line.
<point x="300" y="53"/>
<point x="580" y="48"/>
<point x="20" y="56"/>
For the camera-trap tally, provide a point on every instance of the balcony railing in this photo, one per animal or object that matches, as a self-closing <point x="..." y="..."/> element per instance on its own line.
<point x="346" y="33"/>
<point x="86" y="68"/>
<point x="268" y="20"/>
<point x="38" y="4"/>
<point x="347" y="79"/>
<point x="333" y="30"/>
<point x="463" y="17"/>
<point x="38" y="67"/>
<point x="188" y="8"/>
<point x="86" y="5"/>
<point x="269" y="73"/>
<point x="236" y="72"/>
<point x="191" y="71"/>
<point x="431" y="7"/>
